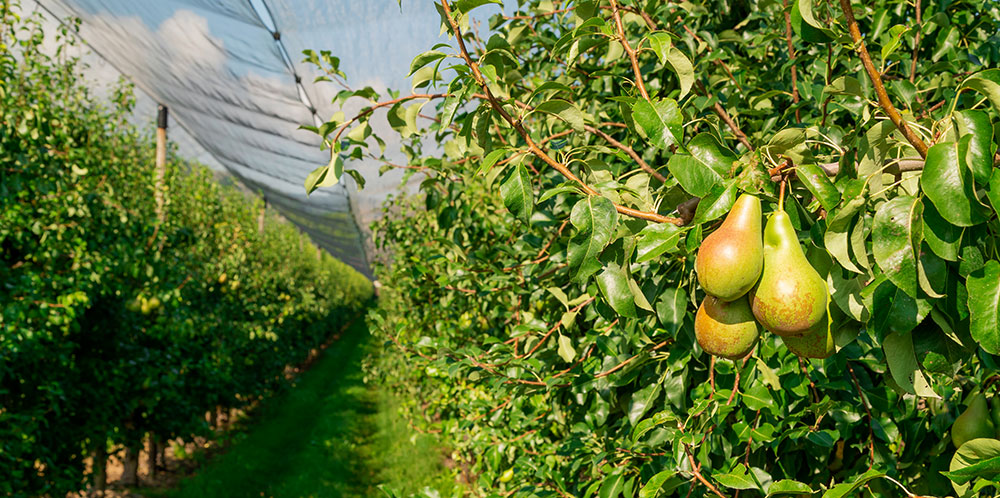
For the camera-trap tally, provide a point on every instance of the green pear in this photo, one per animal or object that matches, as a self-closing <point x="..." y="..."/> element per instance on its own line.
<point x="816" y="343"/>
<point x="974" y="423"/>
<point x="730" y="260"/>
<point x="726" y="329"/>
<point x="791" y="297"/>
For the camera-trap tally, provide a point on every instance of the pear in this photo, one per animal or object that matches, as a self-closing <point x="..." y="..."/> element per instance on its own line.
<point x="816" y="343"/>
<point x="974" y="423"/>
<point x="791" y="297"/>
<point x="730" y="260"/>
<point x="726" y="329"/>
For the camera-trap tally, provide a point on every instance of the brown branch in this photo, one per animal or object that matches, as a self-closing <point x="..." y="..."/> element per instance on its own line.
<point x="532" y="146"/>
<point x="791" y="56"/>
<point x="536" y="16"/>
<point x="701" y="478"/>
<point x="428" y="96"/>
<point x="628" y="150"/>
<point x="628" y="49"/>
<point x="876" y="79"/>
<point x="916" y="45"/>
<point x="725" y="117"/>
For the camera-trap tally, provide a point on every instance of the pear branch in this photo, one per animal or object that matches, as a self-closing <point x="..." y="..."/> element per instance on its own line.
<point x="876" y="78"/>
<point x="791" y="55"/>
<point x="532" y="146"/>
<point x="628" y="49"/>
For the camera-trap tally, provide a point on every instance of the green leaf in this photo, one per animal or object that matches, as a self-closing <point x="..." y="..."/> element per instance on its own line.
<point x="716" y="204"/>
<point x="694" y="176"/>
<point x="896" y="237"/>
<point x="465" y="6"/>
<point x="425" y="59"/>
<point x="490" y="160"/>
<point x="942" y="237"/>
<point x="671" y="309"/>
<point x="613" y="484"/>
<point x="893" y="310"/>
<point x="325" y="176"/>
<point x="642" y="401"/>
<point x="679" y="62"/>
<point x="949" y="186"/>
<point x="978" y="458"/>
<point x="979" y="153"/>
<point x="657" y="239"/>
<point x="946" y="41"/>
<point x="838" y="232"/>
<point x="517" y="193"/>
<point x="653" y="486"/>
<point x="757" y="397"/>
<point x="739" y="478"/>
<point x="984" y="306"/>
<point x="566" y="351"/>
<point x="819" y="184"/>
<point x="903" y="365"/>
<point x="788" y="487"/>
<point x="595" y="218"/>
<point x="805" y="25"/>
<point x="845" y="85"/>
<point x="848" y="488"/>
<point x="565" y="111"/>
<point x="895" y="33"/>
<point x="660" y="121"/>
<point x="986" y="82"/>
<point x="787" y="139"/>
<point x="613" y="282"/>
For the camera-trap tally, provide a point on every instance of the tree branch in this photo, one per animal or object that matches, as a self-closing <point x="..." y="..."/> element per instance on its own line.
<point x="532" y="146"/>
<point x="876" y="79"/>
<point x="791" y="55"/>
<point x="628" y="49"/>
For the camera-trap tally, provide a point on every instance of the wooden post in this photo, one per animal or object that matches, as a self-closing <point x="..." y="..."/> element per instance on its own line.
<point x="161" y="163"/>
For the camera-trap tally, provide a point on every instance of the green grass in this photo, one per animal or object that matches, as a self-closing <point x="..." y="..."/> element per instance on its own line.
<point x="329" y="436"/>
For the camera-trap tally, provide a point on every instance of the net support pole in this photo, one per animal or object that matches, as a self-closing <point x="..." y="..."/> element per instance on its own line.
<point x="161" y="163"/>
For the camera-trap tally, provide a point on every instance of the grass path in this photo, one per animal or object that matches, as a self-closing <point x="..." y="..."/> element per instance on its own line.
<point x="329" y="436"/>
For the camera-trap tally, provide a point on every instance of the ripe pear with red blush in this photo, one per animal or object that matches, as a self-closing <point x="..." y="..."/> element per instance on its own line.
<point x="791" y="297"/>
<point x="730" y="260"/>
<point x="726" y="329"/>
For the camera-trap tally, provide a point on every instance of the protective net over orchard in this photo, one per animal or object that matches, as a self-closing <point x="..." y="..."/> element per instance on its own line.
<point x="233" y="77"/>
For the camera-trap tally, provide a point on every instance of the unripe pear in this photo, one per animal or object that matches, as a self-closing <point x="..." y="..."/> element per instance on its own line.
<point x="973" y="423"/>
<point x="730" y="260"/>
<point x="791" y="297"/>
<point x="816" y="343"/>
<point x="726" y="329"/>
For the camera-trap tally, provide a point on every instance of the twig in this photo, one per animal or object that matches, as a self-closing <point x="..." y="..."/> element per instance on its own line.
<point x="876" y="79"/>
<point x="428" y="96"/>
<point x="916" y="44"/>
<point x="864" y="402"/>
<point x="701" y="478"/>
<point x="725" y="117"/>
<point x="628" y="49"/>
<point x="791" y="56"/>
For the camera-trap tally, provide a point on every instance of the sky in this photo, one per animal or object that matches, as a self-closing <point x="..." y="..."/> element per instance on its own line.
<point x="232" y="90"/>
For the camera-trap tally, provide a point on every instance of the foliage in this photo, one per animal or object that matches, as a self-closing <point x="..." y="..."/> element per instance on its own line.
<point x="115" y="326"/>
<point x="539" y="293"/>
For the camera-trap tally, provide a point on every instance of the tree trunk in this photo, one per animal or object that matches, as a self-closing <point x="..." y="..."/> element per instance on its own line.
<point x="130" y="476"/>
<point x="100" y="468"/>
<point x="153" y="452"/>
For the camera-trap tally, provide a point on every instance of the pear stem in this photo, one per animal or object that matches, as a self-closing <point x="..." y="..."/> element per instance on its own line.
<point x="781" y="196"/>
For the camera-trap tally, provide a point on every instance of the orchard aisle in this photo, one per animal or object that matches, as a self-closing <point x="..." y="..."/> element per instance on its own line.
<point x="330" y="435"/>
